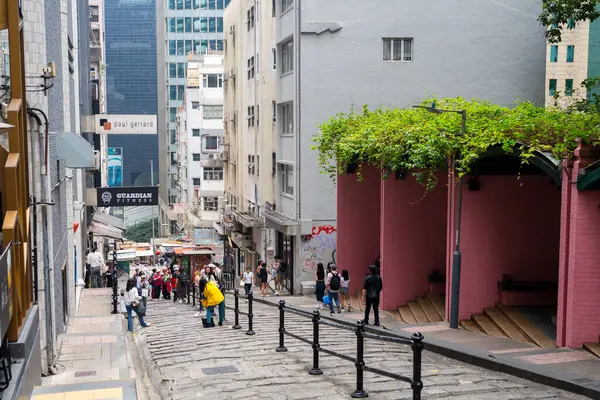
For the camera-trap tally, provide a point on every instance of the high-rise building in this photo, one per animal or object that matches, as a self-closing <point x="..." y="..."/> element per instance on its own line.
<point x="185" y="28"/>
<point x="131" y="81"/>
<point x="200" y="145"/>
<point x="327" y="58"/>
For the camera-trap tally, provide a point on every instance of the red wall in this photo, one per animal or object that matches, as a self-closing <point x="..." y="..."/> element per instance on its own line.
<point x="583" y="288"/>
<point x="413" y="232"/>
<point x="509" y="227"/>
<point x="358" y="210"/>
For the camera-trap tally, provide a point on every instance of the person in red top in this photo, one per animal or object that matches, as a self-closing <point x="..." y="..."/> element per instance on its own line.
<point x="174" y="280"/>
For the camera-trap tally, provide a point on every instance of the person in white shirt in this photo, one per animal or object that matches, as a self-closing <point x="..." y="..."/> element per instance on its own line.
<point x="247" y="278"/>
<point x="97" y="267"/>
<point x="132" y="301"/>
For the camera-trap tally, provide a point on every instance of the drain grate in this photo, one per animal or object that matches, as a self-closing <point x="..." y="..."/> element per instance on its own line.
<point x="80" y="374"/>
<point x="228" y="369"/>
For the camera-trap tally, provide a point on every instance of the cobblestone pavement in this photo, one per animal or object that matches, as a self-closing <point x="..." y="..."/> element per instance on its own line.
<point x="179" y="348"/>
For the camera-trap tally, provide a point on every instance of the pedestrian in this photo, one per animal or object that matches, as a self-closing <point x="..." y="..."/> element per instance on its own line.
<point x="247" y="278"/>
<point x="182" y="285"/>
<point x="157" y="285"/>
<point x="276" y="275"/>
<point x="320" y="285"/>
<point x="334" y="283"/>
<point x="166" y="284"/>
<point x="132" y="302"/>
<point x="212" y="298"/>
<point x="97" y="267"/>
<point x="88" y="273"/>
<point x="263" y="278"/>
<point x="371" y="294"/>
<point x="143" y="290"/>
<point x="205" y="278"/>
<point x="344" y="291"/>
<point x="174" y="282"/>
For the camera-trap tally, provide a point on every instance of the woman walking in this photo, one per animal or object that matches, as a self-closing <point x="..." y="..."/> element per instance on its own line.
<point x="263" y="277"/>
<point x="166" y="280"/>
<point x="320" y="285"/>
<point x="132" y="302"/>
<point x="344" y="296"/>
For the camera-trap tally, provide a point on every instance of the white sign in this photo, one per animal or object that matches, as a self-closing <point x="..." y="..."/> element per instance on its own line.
<point x="125" y="124"/>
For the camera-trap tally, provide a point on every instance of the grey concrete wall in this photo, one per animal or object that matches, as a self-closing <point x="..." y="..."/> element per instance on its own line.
<point x="468" y="48"/>
<point x="54" y="53"/>
<point x="83" y="27"/>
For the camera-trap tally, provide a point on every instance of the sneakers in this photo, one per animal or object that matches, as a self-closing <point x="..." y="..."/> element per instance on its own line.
<point x="339" y="310"/>
<point x="147" y="325"/>
<point x="197" y="314"/>
<point x="376" y="324"/>
<point x="180" y="301"/>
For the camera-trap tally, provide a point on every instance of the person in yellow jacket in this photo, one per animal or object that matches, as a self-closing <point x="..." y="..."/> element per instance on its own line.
<point x="212" y="298"/>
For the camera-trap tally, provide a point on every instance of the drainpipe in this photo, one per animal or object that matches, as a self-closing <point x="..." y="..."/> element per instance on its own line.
<point x="298" y="76"/>
<point x="34" y="250"/>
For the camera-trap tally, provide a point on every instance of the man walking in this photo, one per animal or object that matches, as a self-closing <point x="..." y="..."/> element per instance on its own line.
<point x="97" y="265"/>
<point x="334" y="282"/>
<point x="371" y="294"/>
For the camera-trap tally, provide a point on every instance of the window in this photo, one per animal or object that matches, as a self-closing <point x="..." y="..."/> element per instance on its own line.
<point x="180" y="25"/>
<point x="213" y="174"/>
<point x="171" y="25"/>
<point x="286" y="5"/>
<point x="210" y="203"/>
<point x="220" y="4"/>
<point x="250" y="116"/>
<point x="179" y="4"/>
<point x="195" y="105"/>
<point x="196" y="181"/>
<point x="257" y="64"/>
<point x="93" y="14"/>
<point x="274" y="59"/>
<point x="552" y="87"/>
<point x="180" y="90"/>
<point x="286" y="178"/>
<point x="251" y="167"/>
<point x="257" y="165"/>
<point x="172" y="114"/>
<point x="257" y="115"/>
<point x="570" y="53"/>
<point x="274" y="111"/>
<point x="188" y="25"/>
<point x="213" y="112"/>
<point x="173" y="136"/>
<point x="180" y="47"/>
<point x="211" y="143"/>
<point x="219" y="24"/>
<point x="196" y="132"/>
<point x="553" y="54"/>
<point x="188" y="4"/>
<point x="173" y="92"/>
<point x="220" y="44"/>
<point x="196" y="157"/>
<point x="274" y="9"/>
<point x="172" y="47"/>
<point x="286" y="112"/>
<point x="570" y="23"/>
<point x="250" y="18"/>
<point x="569" y="87"/>
<point x="287" y="57"/>
<point x="212" y="24"/>
<point x="171" y="4"/>
<point x="172" y="70"/>
<point x="188" y="46"/>
<point x="181" y="70"/>
<point x="212" y="80"/>
<point x="397" y="49"/>
<point x="251" y="68"/>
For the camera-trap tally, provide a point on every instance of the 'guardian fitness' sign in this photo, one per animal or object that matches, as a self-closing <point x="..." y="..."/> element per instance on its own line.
<point x="127" y="196"/>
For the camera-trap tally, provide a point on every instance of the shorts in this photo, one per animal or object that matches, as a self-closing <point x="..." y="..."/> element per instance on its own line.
<point x="344" y="291"/>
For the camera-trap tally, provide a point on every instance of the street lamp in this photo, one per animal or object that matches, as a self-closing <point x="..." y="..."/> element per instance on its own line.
<point x="457" y="256"/>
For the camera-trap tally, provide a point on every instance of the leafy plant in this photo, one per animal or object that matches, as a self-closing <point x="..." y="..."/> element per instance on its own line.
<point x="141" y="232"/>
<point x="421" y="142"/>
<point x="559" y="14"/>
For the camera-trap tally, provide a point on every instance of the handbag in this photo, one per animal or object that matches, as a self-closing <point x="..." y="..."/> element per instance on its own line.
<point x="140" y="309"/>
<point x="242" y="283"/>
<point x="326" y="300"/>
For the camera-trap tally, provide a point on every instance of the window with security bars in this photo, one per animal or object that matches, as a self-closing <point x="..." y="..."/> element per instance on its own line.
<point x="287" y="57"/>
<point x="286" y="178"/>
<point x="286" y="114"/>
<point x="213" y="174"/>
<point x="210" y="203"/>
<point x="286" y="5"/>
<point x="213" y="112"/>
<point x="196" y="157"/>
<point x="398" y="49"/>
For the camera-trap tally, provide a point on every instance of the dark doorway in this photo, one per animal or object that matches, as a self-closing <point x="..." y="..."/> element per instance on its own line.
<point x="285" y="250"/>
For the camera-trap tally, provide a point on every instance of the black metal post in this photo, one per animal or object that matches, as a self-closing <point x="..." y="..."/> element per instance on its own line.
<point x="194" y="293"/>
<point x="223" y="293"/>
<point x="115" y="294"/>
<point x="315" y="370"/>
<point x="360" y="393"/>
<point x="187" y="287"/>
<point x="456" y="264"/>
<point x="236" y="309"/>
<point x="34" y="251"/>
<point x="250" y="316"/>
<point x="417" y="348"/>
<point x="281" y="348"/>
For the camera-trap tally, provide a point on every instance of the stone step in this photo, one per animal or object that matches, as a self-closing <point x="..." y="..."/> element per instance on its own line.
<point x="531" y="332"/>
<point x="406" y="315"/>
<point x="418" y="312"/>
<point x="593" y="348"/>
<point x="439" y="302"/>
<point x="469" y="325"/>
<point x="429" y="309"/>
<point x="507" y="327"/>
<point x="487" y="326"/>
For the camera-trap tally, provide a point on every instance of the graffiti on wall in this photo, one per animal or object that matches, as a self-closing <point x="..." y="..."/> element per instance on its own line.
<point x="319" y="247"/>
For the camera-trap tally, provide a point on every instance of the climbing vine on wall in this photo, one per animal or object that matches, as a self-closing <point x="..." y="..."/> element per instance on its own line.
<point x="421" y="142"/>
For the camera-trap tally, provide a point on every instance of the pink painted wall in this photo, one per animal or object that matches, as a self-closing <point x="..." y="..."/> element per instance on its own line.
<point x="582" y="316"/>
<point x="508" y="227"/>
<point x="358" y="210"/>
<point x="413" y="232"/>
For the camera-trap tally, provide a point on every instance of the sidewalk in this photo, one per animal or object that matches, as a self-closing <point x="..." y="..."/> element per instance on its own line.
<point x="93" y="362"/>
<point x="572" y="370"/>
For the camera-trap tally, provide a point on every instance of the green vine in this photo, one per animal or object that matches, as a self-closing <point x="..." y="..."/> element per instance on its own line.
<point x="421" y="142"/>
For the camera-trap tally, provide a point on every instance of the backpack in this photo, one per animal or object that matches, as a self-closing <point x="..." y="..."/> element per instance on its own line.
<point x="373" y="293"/>
<point x="335" y="282"/>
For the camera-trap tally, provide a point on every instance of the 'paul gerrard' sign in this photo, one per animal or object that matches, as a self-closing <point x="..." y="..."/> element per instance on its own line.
<point x="127" y="196"/>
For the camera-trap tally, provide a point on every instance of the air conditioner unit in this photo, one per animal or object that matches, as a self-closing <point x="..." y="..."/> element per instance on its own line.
<point x="93" y="74"/>
<point x="225" y="76"/>
<point x="232" y="73"/>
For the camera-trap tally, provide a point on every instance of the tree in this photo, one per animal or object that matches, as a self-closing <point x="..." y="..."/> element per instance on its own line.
<point x="559" y="14"/>
<point x="141" y="232"/>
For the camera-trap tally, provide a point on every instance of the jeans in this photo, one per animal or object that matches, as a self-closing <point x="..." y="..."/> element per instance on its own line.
<point x="334" y="296"/>
<point x="375" y="304"/>
<point x="210" y="311"/>
<point x="320" y="290"/>
<point x="96" y="277"/>
<point x="247" y="288"/>
<point x="130" y="318"/>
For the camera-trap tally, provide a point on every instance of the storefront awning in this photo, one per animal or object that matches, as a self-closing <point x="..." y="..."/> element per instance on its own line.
<point x="281" y="223"/>
<point x="108" y="220"/>
<point x="144" y="253"/>
<point x="98" y="229"/>
<point x="197" y="252"/>
<point x="75" y="150"/>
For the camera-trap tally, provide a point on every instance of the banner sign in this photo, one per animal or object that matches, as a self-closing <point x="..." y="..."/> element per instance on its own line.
<point x="125" y="124"/>
<point x="127" y="196"/>
<point x="115" y="166"/>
